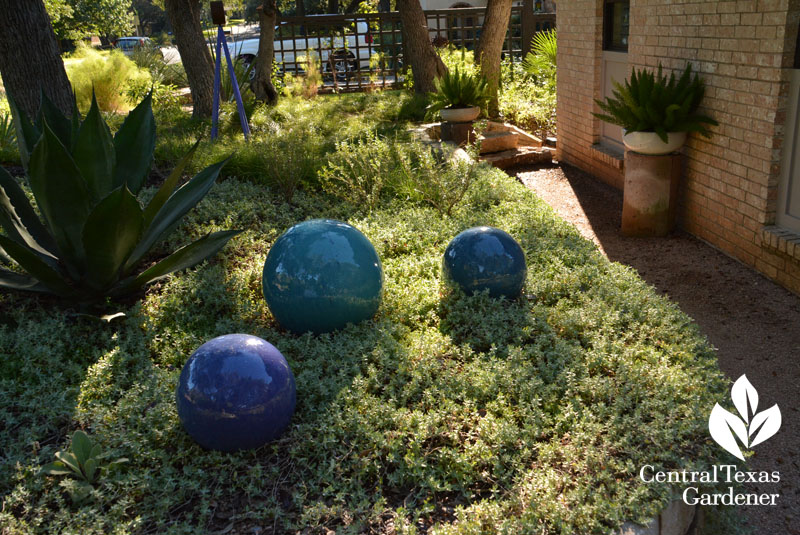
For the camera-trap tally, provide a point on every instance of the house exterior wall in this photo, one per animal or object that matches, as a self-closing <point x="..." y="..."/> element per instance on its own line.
<point x="743" y="49"/>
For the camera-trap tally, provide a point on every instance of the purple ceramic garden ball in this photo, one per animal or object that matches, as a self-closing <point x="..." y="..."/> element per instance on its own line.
<point x="236" y="392"/>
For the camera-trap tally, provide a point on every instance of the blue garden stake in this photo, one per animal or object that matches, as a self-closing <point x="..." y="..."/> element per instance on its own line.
<point x="222" y="44"/>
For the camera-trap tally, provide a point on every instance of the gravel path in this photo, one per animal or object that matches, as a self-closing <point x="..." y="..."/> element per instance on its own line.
<point x="752" y="322"/>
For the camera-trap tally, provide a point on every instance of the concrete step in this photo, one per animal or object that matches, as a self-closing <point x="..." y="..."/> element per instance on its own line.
<point x="519" y="156"/>
<point x="498" y="141"/>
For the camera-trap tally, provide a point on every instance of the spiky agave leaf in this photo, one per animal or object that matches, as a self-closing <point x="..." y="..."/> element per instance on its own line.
<point x="95" y="231"/>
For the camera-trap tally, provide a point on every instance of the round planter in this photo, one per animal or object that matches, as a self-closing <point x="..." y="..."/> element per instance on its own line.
<point x="460" y="115"/>
<point x="650" y="143"/>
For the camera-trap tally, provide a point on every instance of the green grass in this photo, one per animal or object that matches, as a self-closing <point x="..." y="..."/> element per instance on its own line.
<point x="445" y="412"/>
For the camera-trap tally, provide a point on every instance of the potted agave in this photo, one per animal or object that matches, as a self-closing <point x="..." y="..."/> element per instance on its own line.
<point x="459" y="96"/>
<point x="656" y="112"/>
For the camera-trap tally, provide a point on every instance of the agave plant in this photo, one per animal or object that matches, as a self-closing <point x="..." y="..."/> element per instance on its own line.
<point x="651" y="102"/>
<point x="457" y="89"/>
<point x="94" y="232"/>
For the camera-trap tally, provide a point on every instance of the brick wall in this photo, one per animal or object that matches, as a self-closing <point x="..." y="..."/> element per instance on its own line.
<point x="742" y="49"/>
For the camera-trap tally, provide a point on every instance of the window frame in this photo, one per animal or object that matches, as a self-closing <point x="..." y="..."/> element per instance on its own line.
<point x="608" y="25"/>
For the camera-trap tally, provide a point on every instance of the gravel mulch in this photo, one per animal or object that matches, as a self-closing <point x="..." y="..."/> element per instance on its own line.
<point x="752" y="322"/>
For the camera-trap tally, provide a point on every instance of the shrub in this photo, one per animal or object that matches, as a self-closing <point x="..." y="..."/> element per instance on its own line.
<point x="459" y="58"/>
<point x="164" y="97"/>
<point x="439" y="177"/>
<point x="528" y="90"/>
<point x="304" y="85"/>
<point x="106" y="76"/>
<point x="95" y="233"/>
<point x="151" y="59"/>
<point x="527" y="101"/>
<point x="359" y="170"/>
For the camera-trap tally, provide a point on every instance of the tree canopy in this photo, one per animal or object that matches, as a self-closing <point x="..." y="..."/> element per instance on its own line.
<point x="76" y="19"/>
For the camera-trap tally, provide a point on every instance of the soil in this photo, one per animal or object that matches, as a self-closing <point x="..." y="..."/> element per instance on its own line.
<point x="753" y="323"/>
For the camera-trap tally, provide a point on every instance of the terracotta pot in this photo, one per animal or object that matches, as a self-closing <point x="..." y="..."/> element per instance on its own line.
<point x="650" y="143"/>
<point x="460" y="115"/>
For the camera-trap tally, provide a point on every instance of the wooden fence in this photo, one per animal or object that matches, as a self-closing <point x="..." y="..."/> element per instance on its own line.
<point x="360" y="51"/>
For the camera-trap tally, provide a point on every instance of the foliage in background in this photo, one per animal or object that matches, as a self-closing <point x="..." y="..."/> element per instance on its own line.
<point x="445" y="413"/>
<point x="459" y="58"/>
<point x="527" y="101"/>
<point x="77" y="19"/>
<point x="106" y="77"/>
<point x="528" y="90"/>
<point x="165" y="98"/>
<point x="541" y="60"/>
<point x="152" y="59"/>
<point x="651" y="102"/>
<point x="95" y="233"/>
<point x="84" y="461"/>
<point x="306" y="130"/>
<point x="305" y="84"/>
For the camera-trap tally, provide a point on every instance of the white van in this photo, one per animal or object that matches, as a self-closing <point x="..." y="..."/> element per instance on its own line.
<point x="340" y="55"/>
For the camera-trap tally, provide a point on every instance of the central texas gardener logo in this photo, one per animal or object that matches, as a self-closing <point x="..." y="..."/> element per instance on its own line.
<point x="751" y="429"/>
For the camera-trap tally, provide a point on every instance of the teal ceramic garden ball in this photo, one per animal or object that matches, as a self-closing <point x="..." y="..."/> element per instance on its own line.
<point x="321" y="275"/>
<point x="484" y="258"/>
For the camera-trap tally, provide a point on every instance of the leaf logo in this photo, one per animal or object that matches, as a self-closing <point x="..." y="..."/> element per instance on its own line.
<point x="751" y="429"/>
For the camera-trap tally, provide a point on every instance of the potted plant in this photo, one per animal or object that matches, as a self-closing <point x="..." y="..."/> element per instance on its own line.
<point x="656" y="112"/>
<point x="459" y="96"/>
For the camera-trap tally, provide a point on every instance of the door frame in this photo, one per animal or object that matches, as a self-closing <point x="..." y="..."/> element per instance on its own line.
<point x="789" y="182"/>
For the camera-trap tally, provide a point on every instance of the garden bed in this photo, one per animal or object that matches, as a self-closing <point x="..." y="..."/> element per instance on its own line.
<point x="444" y="413"/>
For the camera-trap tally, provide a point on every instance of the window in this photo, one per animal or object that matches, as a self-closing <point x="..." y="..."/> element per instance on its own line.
<point x="616" y="24"/>
<point x="797" y="51"/>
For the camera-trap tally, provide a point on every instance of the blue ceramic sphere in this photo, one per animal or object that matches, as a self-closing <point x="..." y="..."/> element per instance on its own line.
<point x="236" y="392"/>
<point x="483" y="258"/>
<point x="321" y="275"/>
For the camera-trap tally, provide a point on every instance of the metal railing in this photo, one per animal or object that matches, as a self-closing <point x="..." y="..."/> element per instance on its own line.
<point x="363" y="51"/>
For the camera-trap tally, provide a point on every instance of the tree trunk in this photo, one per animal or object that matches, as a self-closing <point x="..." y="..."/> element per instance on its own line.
<point x="333" y="6"/>
<point x="301" y="8"/>
<point x="490" y="46"/>
<point x="184" y="16"/>
<point x="262" y="82"/>
<point x="426" y="65"/>
<point x="29" y="57"/>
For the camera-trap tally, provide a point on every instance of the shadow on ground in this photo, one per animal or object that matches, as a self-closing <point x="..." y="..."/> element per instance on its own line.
<point x="753" y="322"/>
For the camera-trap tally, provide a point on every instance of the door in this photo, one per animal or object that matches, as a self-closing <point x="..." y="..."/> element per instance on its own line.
<point x="616" y="25"/>
<point x="787" y="214"/>
<point x="615" y="68"/>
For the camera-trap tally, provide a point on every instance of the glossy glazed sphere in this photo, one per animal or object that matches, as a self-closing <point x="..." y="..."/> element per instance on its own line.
<point x="235" y="392"/>
<point x="483" y="258"/>
<point x="321" y="275"/>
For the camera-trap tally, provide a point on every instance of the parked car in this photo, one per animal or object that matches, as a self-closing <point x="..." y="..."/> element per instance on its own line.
<point x="338" y="55"/>
<point x="128" y="44"/>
